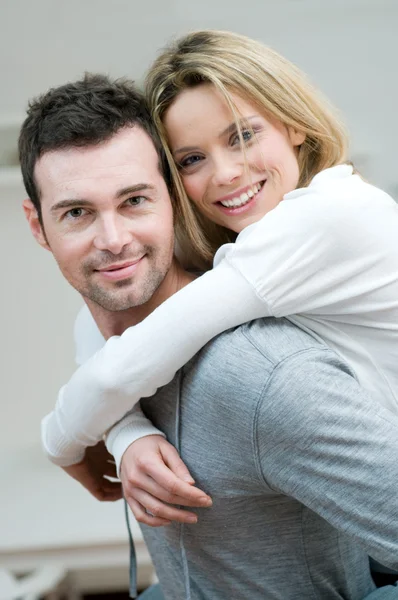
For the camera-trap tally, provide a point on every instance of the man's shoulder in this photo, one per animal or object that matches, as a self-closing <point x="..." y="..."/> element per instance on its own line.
<point x="257" y="351"/>
<point x="267" y="365"/>
<point x="271" y="340"/>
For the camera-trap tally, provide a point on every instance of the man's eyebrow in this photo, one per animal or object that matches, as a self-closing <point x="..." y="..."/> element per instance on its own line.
<point x="81" y="202"/>
<point x="69" y="203"/>
<point x="132" y="189"/>
<point x="244" y="121"/>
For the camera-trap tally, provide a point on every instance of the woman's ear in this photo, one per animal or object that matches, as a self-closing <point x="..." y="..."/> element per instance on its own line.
<point x="34" y="223"/>
<point x="296" y="137"/>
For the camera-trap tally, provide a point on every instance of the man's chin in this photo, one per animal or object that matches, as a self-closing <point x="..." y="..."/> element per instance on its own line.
<point x="115" y="302"/>
<point x="125" y="294"/>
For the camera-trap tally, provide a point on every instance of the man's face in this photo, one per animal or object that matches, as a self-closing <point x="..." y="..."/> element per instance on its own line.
<point x="107" y="218"/>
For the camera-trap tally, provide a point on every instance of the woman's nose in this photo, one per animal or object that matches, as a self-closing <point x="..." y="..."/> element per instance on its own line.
<point x="226" y="170"/>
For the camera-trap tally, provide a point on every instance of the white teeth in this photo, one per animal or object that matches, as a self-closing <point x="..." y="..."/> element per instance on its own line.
<point x="243" y="198"/>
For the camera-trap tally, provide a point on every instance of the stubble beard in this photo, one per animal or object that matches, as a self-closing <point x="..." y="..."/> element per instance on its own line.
<point x="141" y="291"/>
<point x="114" y="301"/>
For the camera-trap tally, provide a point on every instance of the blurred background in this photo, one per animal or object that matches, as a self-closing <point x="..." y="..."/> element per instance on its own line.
<point x="349" y="48"/>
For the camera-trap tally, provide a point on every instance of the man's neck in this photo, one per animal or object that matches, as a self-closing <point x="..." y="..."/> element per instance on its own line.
<point x="116" y="322"/>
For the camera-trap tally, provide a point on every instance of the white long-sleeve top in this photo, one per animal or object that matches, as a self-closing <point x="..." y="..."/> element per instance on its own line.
<point x="88" y="340"/>
<point x="326" y="257"/>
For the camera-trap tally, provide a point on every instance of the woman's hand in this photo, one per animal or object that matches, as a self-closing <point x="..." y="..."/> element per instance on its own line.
<point x="154" y="477"/>
<point x="93" y="472"/>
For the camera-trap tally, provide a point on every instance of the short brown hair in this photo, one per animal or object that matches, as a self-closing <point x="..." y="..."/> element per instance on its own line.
<point x="83" y="113"/>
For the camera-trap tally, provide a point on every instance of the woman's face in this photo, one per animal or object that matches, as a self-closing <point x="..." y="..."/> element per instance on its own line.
<point x="206" y="148"/>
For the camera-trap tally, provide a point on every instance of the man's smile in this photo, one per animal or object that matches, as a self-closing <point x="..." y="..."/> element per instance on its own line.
<point x="118" y="271"/>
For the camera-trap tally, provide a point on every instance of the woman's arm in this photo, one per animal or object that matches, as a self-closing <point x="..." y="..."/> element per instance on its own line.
<point x="144" y="358"/>
<point x="88" y="340"/>
<point x="154" y="476"/>
<point x="311" y="254"/>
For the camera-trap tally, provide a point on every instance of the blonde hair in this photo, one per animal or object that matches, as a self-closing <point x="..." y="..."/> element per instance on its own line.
<point x="235" y="64"/>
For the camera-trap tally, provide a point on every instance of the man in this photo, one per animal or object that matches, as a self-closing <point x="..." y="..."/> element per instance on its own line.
<point x="81" y="228"/>
<point x="302" y="467"/>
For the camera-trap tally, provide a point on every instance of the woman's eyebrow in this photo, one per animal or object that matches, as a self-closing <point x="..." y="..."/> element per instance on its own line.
<point x="244" y="121"/>
<point x="184" y="149"/>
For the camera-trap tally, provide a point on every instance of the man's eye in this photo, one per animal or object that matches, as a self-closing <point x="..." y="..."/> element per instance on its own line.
<point x="75" y="213"/>
<point x="136" y="200"/>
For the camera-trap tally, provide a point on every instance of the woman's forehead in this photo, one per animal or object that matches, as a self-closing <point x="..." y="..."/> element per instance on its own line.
<point x="205" y="102"/>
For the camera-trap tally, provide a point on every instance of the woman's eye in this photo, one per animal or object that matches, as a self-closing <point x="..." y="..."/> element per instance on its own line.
<point x="189" y="161"/>
<point x="247" y="136"/>
<point x="136" y="200"/>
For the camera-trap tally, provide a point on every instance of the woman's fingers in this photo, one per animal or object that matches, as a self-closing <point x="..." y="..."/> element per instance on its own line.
<point x="155" y="479"/>
<point x="159" y="510"/>
<point x="142" y="516"/>
<point x="161" y="483"/>
<point x="170" y="485"/>
<point x="173" y="460"/>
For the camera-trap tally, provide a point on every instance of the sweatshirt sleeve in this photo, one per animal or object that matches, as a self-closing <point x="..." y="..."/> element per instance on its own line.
<point x="303" y="256"/>
<point x="132" y="427"/>
<point x="86" y="336"/>
<point x="135" y="425"/>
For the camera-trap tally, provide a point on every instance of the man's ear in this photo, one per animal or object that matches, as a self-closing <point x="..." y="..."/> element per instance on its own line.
<point x="34" y="223"/>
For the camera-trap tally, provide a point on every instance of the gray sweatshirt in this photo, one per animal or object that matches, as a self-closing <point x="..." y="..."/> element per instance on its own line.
<point x="301" y="464"/>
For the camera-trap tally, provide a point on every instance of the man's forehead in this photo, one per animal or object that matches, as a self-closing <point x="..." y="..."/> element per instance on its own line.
<point x="128" y="158"/>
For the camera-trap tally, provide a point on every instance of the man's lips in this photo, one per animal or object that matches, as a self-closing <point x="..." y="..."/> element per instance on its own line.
<point x="118" y="271"/>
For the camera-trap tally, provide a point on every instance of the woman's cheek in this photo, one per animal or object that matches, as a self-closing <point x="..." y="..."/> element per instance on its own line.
<point x="259" y="159"/>
<point x="193" y="188"/>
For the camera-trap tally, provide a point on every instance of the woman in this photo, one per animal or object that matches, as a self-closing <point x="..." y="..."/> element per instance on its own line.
<point x="253" y="151"/>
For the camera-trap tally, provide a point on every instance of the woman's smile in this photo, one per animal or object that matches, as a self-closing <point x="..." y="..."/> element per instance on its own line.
<point x="233" y="177"/>
<point x="241" y="200"/>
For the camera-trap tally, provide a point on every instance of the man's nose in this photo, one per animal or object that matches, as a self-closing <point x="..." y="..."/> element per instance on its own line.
<point x="226" y="169"/>
<point x="113" y="233"/>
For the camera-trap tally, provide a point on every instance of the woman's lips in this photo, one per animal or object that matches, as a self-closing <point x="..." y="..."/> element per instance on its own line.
<point x="237" y="210"/>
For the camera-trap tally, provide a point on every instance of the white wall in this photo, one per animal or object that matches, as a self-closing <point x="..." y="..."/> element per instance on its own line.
<point x="349" y="48"/>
